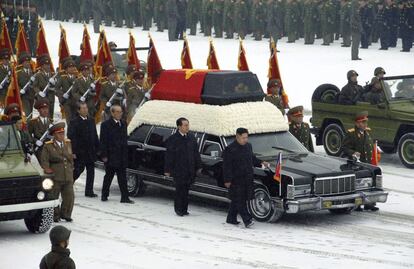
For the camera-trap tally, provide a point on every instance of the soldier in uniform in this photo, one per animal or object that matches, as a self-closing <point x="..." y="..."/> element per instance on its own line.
<point x="345" y="21"/>
<point x="300" y="129"/>
<point x="57" y="158"/>
<point x="328" y="18"/>
<point x="292" y="18"/>
<point x="259" y="19"/>
<point x="5" y="72"/>
<point x="98" y="13"/>
<point x="228" y="18"/>
<point x="25" y="140"/>
<point x="146" y="14"/>
<point x="109" y="88"/>
<point x="218" y="14"/>
<point x="367" y="21"/>
<point x="42" y="78"/>
<point x="181" y="19"/>
<point x="241" y="18"/>
<point x="24" y="76"/>
<point x="406" y="25"/>
<point x="134" y="91"/>
<point x="351" y="92"/>
<point x="38" y="126"/>
<point x="65" y="82"/>
<point x="160" y="12"/>
<point x="81" y="86"/>
<point x="58" y="257"/>
<point x="275" y="19"/>
<point x="274" y="87"/>
<point x="356" y="28"/>
<point x="359" y="144"/>
<point x="310" y="23"/>
<point x="11" y="110"/>
<point x="208" y="17"/>
<point x="172" y="20"/>
<point x="375" y="94"/>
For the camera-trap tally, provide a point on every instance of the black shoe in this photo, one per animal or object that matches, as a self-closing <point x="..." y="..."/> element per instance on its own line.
<point x="92" y="195"/>
<point x="180" y="214"/>
<point x="127" y="201"/>
<point x="249" y="224"/>
<point x="324" y="44"/>
<point x="383" y="48"/>
<point x="186" y="213"/>
<point x="358" y="209"/>
<point x="233" y="222"/>
<point x="404" y="50"/>
<point x="68" y="219"/>
<point x="345" y="46"/>
<point x="364" y="47"/>
<point x="104" y="198"/>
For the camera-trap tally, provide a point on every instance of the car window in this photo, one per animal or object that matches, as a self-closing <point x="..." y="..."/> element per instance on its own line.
<point x="8" y="139"/>
<point x="140" y="133"/>
<point x="158" y="136"/>
<point x="212" y="148"/>
<point x="401" y="88"/>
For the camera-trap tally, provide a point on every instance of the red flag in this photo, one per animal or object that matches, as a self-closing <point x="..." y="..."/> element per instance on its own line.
<point x="154" y="66"/>
<point x="212" y="62"/>
<point x="13" y="92"/>
<point x="274" y="72"/>
<point x="103" y="55"/>
<point x="86" y="50"/>
<point x="242" y="63"/>
<point x="5" y="41"/>
<point x="42" y="48"/>
<point x="63" y="48"/>
<point x="132" y="53"/>
<point x="185" y="56"/>
<point x="278" y="176"/>
<point x="376" y="155"/>
<point x="21" y="44"/>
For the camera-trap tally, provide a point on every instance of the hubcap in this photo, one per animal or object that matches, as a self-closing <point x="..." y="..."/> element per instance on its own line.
<point x="261" y="204"/>
<point x="408" y="151"/>
<point x="328" y="96"/>
<point x="333" y="141"/>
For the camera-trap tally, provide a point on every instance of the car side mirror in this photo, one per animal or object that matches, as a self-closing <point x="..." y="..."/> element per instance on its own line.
<point x="382" y="106"/>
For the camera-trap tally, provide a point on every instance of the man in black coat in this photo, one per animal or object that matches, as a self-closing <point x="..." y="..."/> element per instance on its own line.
<point x="183" y="163"/>
<point x="351" y="93"/>
<point x="238" y="163"/>
<point x="114" y="153"/>
<point x="85" y="144"/>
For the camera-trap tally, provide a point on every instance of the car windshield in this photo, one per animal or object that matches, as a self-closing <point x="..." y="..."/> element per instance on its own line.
<point x="270" y="144"/>
<point x="401" y="88"/>
<point x="8" y="139"/>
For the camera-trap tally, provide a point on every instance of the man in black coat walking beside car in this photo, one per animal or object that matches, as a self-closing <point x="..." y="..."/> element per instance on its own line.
<point x="183" y="163"/>
<point x="85" y="144"/>
<point x="114" y="153"/>
<point x="238" y="163"/>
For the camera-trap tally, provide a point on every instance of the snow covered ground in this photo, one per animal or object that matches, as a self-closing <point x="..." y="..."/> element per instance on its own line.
<point x="149" y="235"/>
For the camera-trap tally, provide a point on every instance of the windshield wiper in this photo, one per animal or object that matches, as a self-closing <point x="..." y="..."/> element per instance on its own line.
<point x="287" y="150"/>
<point x="7" y="146"/>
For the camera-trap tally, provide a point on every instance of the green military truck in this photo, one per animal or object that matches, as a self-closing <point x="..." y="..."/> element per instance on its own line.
<point x="25" y="192"/>
<point x="391" y="122"/>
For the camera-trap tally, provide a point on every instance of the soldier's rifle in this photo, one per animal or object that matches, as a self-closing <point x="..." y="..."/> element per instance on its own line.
<point x="39" y="143"/>
<point x="50" y="83"/>
<point x="5" y="81"/>
<point x="90" y="89"/>
<point x="28" y="85"/>
<point x="118" y="92"/>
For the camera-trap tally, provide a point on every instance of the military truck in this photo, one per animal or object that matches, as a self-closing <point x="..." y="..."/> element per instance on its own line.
<point x="25" y="192"/>
<point x="391" y="122"/>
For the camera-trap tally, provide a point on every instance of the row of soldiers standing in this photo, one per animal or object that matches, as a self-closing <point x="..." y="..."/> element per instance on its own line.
<point x="71" y="86"/>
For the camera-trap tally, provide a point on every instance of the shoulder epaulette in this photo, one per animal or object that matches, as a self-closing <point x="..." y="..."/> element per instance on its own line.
<point x="67" y="140"/>
<point x="49" y="142"/>
<point x="351" y="130"/>
<point x="368" y="129"/>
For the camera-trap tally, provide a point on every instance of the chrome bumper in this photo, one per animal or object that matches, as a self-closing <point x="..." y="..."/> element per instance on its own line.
<point x="28" y="206"/>
<point x="336" y="202"/>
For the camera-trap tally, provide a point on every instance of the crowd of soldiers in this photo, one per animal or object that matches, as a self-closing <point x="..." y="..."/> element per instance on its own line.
<point x="354" y="21"/>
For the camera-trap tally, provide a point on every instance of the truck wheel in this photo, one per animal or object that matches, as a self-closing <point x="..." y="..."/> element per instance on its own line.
<point x="136" y="187"/>
<point x="41" y="221"/>
<point x="340" y="211"/>
<point x="261" y="207"/>
<point x="332" y="139"/>
<point x="325" y="93"/>
<point x="406" y="150"/>
<point x="388" y="149"/>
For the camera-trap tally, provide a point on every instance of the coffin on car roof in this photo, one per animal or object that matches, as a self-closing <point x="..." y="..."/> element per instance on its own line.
<point x="257" y="117"/>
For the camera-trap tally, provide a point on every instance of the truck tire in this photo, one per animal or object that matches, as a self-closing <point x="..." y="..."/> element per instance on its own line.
<point x="261" y="207"/>
<point x="325" y="93"/>
<point x="406" y="150"/>
<point x="332" y="139"/>
<point x="136" y="187"/>
<point x="41" y="221"/>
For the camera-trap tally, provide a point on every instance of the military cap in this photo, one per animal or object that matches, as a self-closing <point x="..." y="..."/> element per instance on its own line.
<point x="41" y="103"/>
<point x="12" y="108"/>
<point x="59" y="234"/>
<point x="43" y="59"/>
<point x="132" y="68"/>
<point x="139" y="75"/>
<point x="273" y="83"/>
<point x="379" y="70"/>
<point x="296" y="111"/>
<point x="112" y="44"/>
<point x="68" y="62"/>
<point x="5" y="54"/>
<point x="85" y="64"/>
<point x="57" y="128"/>
<point x="351" y="73"/>
<point x="109" y="70"/>
<point x="361" y="116"/>
<point x="24" y="56"/>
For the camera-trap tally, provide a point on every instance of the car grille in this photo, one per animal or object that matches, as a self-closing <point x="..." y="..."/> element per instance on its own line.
<point x="19" y="190"/>
<point x="334" y="185"/>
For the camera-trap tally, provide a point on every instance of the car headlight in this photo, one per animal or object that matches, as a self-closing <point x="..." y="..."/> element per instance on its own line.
<point x="41" y="195"/>
<point x="290" y="192"/>
<point x="363" y="183"/>
<point x="47" y="184"/>
<point x="378" y="181"/>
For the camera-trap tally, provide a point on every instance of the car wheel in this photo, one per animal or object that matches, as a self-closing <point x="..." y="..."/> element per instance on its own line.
<point x="136" y="187"/>
<point x="340" y="211"/>
<point x="406" y="150"/>
<point x="332" y="139"/>
<point x="261" y="207"/>
<point x="388" y="149"/>
<point x="41" y="221"/>
<point x="325" y="93"/>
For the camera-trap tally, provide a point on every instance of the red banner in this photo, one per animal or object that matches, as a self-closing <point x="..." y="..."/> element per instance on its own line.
<point x="5" y="41"/>
<point x="21" y="44"/>
<point x="154" y="66"/>
<point x="274" y="72"/>
<point x="212" y="62"/>
<point x="186" y="62"/>
<point x="132" y="53"/>
<point x="242" y="62"/>
<point x="42" y="48"/>
<point x="63" y="48"/>
<point x="13" y="92"/>
<point x="86" y="50"/>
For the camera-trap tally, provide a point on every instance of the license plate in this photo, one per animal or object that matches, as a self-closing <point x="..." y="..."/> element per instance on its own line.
<point x="358" y="201"/>
<point x="327" y="204"/>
